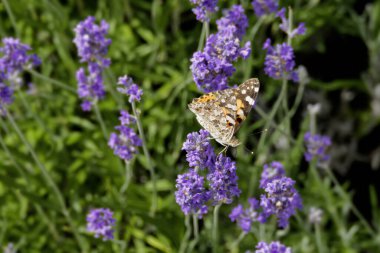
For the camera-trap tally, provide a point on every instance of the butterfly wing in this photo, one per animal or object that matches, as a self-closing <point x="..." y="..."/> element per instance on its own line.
<point x="245" y="95"/>
<point x="214" y="116"/>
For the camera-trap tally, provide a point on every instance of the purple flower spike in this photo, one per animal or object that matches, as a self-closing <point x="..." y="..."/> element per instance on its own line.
<point x="264" y="7"/>
<point x="234" y="21"/>
<point x="125" y="143"/>
<point x="284" y="26"/>
<point x="273" y="247"/>
<point x="91" y="41"/>
<point x="274" y="170"/>
<point x="199" y="152"/>
<point x="212" y="67"/>
<point x="245" y="217"/>
<point x="223" y="181"/>
<point x="100" y="222"/>
<point x="279" y="61"/>
<point x="14" y="60"/>
<point x="128" y="87"/>
<point x="92" y="48"/>
<point x="316" y="147"/>
<point x="203" y="8"/>
<point x="281" y="200"/>
<point x="191" y="194"/>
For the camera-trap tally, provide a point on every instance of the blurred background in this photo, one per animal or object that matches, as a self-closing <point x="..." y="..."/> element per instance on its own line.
<point x="153" y="41"/>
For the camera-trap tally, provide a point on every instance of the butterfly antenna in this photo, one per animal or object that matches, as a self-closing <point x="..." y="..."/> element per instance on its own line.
<point x="259" y="132"/>
<point x="248" y="150"/>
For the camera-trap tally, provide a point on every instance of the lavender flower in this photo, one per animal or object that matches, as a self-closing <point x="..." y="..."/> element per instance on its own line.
<point x="100" y="222"/>
<point x="223" y="181"/>
<point x="279" y="61"/>
<point x="273" y="247"/>
<point x="316" y="147"/>
<point x="6" y="97"/>
<point x="92" y="48"/>
<point x="212" y="66"/>
<point x="129" y="88"/>
<point x="245" y="217"/>
<point x="90" y="87"/>
<point x="91" y="41"/>
<point x="14" y="60"/>
<point x="284" y="26"/>
<point x="234" y="21"/>
<point x="191" y="194"/>
<point x="126" y="142"/>
<point x="274" y="170"/>
<point x="199" y="152"/>
<point x="264" y="7"/>
<point x="203" y="8"/>
<point x="281" y="200"/>
<point x="315" y="215"/>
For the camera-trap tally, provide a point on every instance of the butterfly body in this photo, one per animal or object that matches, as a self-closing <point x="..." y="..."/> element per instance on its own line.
<point x="222" y="112"/>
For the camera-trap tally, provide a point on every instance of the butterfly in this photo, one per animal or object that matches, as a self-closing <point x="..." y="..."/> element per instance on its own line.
<point x="222" y="112"/>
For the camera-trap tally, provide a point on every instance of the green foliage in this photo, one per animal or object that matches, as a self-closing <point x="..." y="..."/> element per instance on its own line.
<point x="152" y="41"/>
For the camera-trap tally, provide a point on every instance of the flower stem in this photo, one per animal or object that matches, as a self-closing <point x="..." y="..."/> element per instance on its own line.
<point x="215" y="239"/>
<point x="128" y="177"/>
<point x="186" y="238"/>
<point x="235" y="244"/>
<point x="112" y="80"/>
<point x="100" y="120"/>
<point x="49" y="181"/>
<point x="318" y="238"/>
<point x="51" y="80"/>
<point x="252" y="35"/>
<point x="204" y="35"/>
<point x="11" y="17"/>
<point x="196" y="234"/>
<point x="149" y="161"/>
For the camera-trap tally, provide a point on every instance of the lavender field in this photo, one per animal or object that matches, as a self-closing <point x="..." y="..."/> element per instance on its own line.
<point x="190" y="126"/>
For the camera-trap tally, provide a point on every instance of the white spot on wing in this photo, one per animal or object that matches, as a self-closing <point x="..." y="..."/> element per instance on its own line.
<point x="249" y="100"/>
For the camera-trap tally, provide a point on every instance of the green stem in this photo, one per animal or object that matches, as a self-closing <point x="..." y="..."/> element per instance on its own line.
<point x="11" y="17"/>
<point x="215" y="239"/>
<point x="186" y="237"/>
<point x="235" y="244"/>
<point x="252" y="35"/>
<point x="149" y="160"/>
<point x="348" y="200"/>
<point x="274" y="124"/>
<point x="128" y="177"/>
<point x="318" y="238"/>
<point x="204" y="35"/>
<point x="112" y="80"/>
<point x="49" y="181"/>
<point x="100" y="120"/>
<point x="196" y="234"/>
<point x="51" y="80"/>
<point x="297" y="101"/>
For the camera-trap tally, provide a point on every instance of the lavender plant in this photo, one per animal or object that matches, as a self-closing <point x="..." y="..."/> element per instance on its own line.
<point x="92" y="45"/>
<point x="100" y="221"/>
<point x="14" y="60"/>
<point x="54" y="163"/>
